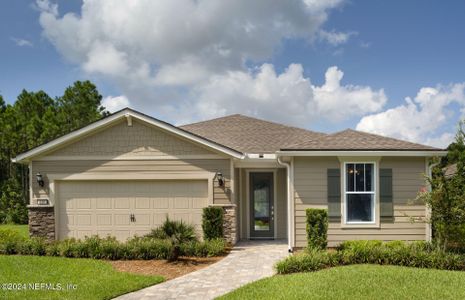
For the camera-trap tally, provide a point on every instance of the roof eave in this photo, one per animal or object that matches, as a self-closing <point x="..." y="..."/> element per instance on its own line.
<point x="410" y="153"/>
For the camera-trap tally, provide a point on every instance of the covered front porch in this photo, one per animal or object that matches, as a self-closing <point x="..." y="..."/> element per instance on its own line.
<point x="261" y="202"/>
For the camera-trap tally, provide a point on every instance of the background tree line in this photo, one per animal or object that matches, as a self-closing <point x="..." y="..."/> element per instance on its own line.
<point x="35" y="118"/>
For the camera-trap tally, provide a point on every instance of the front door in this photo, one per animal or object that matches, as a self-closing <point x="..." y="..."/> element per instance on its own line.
<point x="261" y="205"/>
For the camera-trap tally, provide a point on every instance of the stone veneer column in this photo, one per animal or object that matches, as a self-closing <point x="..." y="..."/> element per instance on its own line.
<point x="230" y="224"/>
<point x="42" y="222"/>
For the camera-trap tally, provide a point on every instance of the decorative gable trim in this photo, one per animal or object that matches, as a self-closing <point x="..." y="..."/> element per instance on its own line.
<point x="127" y="114"/>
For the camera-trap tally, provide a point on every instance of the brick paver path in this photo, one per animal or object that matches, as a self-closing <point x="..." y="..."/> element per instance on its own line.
<point x="247" y="262"/>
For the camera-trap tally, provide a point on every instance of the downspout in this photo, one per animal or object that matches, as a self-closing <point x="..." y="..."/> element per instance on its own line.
<point x="290" y="237"/>
<point x="429" y="233"/>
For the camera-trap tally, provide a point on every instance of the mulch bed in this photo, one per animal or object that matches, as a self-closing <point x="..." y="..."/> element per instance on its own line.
<point x="169" y="270"/>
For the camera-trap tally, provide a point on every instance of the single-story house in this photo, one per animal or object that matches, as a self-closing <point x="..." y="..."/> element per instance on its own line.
<point x="123" y="174"/>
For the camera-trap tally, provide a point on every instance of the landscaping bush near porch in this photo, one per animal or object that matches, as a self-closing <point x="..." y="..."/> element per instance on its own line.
<point x="212" y="222"/>
<point x="417" y="254"/>
<point x="317" y="228"/>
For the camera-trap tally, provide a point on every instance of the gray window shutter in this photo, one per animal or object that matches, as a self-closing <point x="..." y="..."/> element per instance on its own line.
<point x="334" y="195"/>
<point x="385" y="195"/>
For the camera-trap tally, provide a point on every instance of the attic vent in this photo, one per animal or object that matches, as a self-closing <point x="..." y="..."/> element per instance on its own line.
<point x="260" y="156"/>
<point x="129" y="119"/>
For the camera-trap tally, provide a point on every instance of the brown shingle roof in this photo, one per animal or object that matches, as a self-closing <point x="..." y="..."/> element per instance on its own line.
<point x="251" y="135"/>
<point x="357" y="140"/>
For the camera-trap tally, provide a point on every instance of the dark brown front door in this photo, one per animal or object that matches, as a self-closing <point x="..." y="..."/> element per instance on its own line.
<point x="261" y="205"/>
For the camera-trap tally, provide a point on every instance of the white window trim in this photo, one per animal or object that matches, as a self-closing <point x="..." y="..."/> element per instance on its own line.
<point x="375" y="222"/>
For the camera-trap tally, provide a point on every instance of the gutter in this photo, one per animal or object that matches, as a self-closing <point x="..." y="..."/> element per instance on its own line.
<point x="429" y="229"/>
<point x="363" y="153"/>
<point x="290" y="237"/>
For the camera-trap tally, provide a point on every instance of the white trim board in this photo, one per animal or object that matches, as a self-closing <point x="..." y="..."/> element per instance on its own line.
<point x="365" y="153"/>
<point x="124" y="114"/>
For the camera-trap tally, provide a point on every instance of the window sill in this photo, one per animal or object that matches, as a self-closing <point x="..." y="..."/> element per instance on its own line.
<point x="360" y="225"/>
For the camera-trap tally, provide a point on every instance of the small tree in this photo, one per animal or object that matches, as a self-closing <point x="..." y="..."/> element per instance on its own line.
<point x="447" y="199"/>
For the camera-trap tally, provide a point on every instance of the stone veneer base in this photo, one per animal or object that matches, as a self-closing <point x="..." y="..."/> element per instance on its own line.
<point x="42" y="222"/>
<point x="230" y="224"/>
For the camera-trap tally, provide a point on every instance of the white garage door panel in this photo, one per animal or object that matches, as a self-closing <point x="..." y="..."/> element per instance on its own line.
<point x="103" y="207"/>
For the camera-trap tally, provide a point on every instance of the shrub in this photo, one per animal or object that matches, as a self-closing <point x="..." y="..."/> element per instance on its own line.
<point x="53" y="249"/>
<point x="148" y="248"/>
<point x="10" y="241"/>
<point x="309" y="261"/>
<point x="216" y="247"/>
<point x="182" y="237"/>
<point x="208" y="248"/>
<point x="417" y="254"/>
<point x="178" y="233"/>
<point x="111" y="249"/>
<point x="212" y="222"/>
<point x="33" y="246"/>
<point x="317" y="228"/>
<point x="157" y="233"/>
<point x="66" y="247"/>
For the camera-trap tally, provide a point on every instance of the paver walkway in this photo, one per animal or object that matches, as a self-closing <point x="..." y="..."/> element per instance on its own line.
<point x="247" y="262"/>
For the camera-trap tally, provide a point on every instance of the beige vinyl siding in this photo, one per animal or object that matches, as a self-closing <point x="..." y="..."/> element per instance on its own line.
<point x="221" y="195"/>
<point x="310" y="190"/>
<point x="139" y="140"/>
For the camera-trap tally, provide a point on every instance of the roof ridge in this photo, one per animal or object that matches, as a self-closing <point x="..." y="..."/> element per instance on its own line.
<point x="383" y="136"/>
<point x="255" y="118"/>
<point x="362" y="134"/>
<point x="214" y="119"/>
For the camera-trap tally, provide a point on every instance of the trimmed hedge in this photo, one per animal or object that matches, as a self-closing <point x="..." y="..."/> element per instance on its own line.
<point x="317" y="228"/>
<point x="212" y="222"/>
<point x="108" y="248"/>
<point x="398" y="253"/>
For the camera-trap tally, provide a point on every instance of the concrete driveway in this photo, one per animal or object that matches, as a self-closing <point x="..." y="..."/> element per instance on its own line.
<point x="248" y="261"/>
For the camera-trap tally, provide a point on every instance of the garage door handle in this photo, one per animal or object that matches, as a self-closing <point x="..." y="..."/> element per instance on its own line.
<point x="132" y="218"/>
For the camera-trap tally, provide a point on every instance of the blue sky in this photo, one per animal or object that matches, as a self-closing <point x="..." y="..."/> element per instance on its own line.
<point x="386" y="51"/>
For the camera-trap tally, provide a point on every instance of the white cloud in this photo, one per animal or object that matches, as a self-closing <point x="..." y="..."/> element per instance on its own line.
<point x="338" y="102"/>
<point x="113" y="104"/>
<point x="420" y="118"/>
<point x="288" y="97"/>
<point x="105" y="59"/>
<point x="168" y="41"/>
<point x="46" y="6"/>
<point x="335" y="38"/>
<point x="22" y="42"/>
<point x="187" y="60"/>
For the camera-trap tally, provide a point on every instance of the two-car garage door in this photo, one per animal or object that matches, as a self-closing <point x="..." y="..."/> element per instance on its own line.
<point x="126" y="208"/>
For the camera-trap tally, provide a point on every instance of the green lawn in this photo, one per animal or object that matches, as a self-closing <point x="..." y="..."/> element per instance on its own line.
<point x="22" y="229"/>
<point x="93" y="279"/>
<point x="358" y="282"/>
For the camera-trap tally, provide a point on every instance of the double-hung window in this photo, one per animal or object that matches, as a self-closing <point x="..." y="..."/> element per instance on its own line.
<point x="359" y="193"/>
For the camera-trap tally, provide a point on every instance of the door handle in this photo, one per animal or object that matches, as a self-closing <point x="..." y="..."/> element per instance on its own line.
<point x="132" y="218"/>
